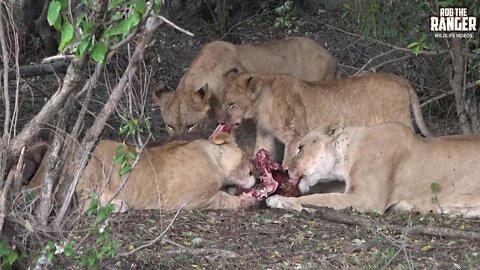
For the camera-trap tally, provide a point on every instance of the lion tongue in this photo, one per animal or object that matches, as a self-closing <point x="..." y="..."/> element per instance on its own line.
<point x="222" y="127"/>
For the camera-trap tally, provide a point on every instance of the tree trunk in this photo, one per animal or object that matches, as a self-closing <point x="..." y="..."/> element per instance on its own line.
<point x="456" y="82"/>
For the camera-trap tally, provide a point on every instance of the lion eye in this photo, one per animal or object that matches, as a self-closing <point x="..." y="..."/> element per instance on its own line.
<point x="231" y="106"/>
<point x="299" y="149"/>
<point x="191" y="127"/>
<point x="170" y="128"/>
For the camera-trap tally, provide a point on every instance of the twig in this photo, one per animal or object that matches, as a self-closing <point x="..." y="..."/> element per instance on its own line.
<point x="137" y="159"/>
<point x="58" y="57"/>
<point x="175" y="26"/>
<point x="339" y="217"/>
<point x="245" y="20"/>
<point x="449" y="93"/>
<point x="157" y="238"/>
<point x="441" y="232"/>
<point x="422" y="52"/>
<point x="374" y="68"/>
<point x="373" y="58"/>
<point x="4" y="193"/>
<point x="202" y="251"/>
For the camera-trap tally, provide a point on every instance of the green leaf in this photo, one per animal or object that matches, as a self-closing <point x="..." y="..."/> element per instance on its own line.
<point x="99" y="52"/>
<point x="435" y="187"/>
<point x="58" y="24"/>
<point x="139" y="6"/>
<point x="132" y="155"/>
<point x="156" y="6"/>
<point x="411" y="45"/>
<point x="53" y="12"/>
<point x="426" y="248"/>
<point x="80" y="19"/>
<point x="87" y="27"/>
<point x="119" y="157"/>
<point x="50" y="256"/>
<point x="148" y="123"/>
<point x="102" y="214"/>
<point x="117" y="16"/>
<point x="124" y="26"/>
<point x="63" y="4"/>
<point x="83" y="45"/>
<point x="125" y="170"/>
<point x="101" y="238"/>
<point x="120" y="147"/>
<point x="67" y="35"/>
<point x="113" y="4"/>
<point x="123" y="128"/>
<point x="12" y="257"/>
<point x="68" y="250"/>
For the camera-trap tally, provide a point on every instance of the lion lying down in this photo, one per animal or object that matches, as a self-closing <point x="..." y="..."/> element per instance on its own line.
<point x="169" y="175"/>
<point x="387" y="166"/>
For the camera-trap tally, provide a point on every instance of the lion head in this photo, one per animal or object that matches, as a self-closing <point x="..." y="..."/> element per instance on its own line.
<point x="316" y="158"/>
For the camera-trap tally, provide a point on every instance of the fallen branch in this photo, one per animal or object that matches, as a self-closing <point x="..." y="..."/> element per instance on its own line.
<point x="39" y="70"/>
<point x="335" y="216"/>
<point x="203" y="251"/>
<point x="441" y="232"/>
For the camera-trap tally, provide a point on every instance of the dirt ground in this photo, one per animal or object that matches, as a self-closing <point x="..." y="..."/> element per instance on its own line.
<point x="276" y="239"/>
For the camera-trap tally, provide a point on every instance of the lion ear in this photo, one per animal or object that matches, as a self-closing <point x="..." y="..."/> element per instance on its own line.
<point x="203" y="93"/>
<point x="222" y="138"/>
<point x="161" y="94"/>
<point x="252" y="84"/>
<point x="335" y="129"/>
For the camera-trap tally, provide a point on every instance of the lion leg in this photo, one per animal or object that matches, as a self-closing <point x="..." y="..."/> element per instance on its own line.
<point x="335" y="200"/>
<point x="223" y="200"/>
<point x="264" y="141"/>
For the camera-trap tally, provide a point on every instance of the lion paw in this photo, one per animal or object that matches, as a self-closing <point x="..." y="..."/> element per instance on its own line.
<point x="278" y="201"/>
<point x="119" y="206"/>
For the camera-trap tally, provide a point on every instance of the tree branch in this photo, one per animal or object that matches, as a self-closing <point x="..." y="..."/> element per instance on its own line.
<point x="39" y="70"/>
<point x="335" y="216"/>
<point x="421" y="52"/>
<point x="95" y="130"/>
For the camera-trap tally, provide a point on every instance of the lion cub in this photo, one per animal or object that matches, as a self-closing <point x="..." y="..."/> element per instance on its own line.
<point x="183" y="173"/>
<point x="194" y="105"/>
<point x="287" y="108"/>
<point x="387" y="166"/>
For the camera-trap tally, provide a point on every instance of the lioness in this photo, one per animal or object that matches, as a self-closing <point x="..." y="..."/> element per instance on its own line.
<point x="187" y="173"/>
<point x="387" y="166"/>
<point x="287" y="108"/>
<point x="211" y="72"/>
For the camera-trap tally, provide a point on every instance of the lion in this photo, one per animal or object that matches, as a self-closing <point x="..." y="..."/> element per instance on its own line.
<point x="169" y="175"/>
<point x="387" y="166"/>
<point x="287" y="108"/>
<point x="195" y="103"/>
